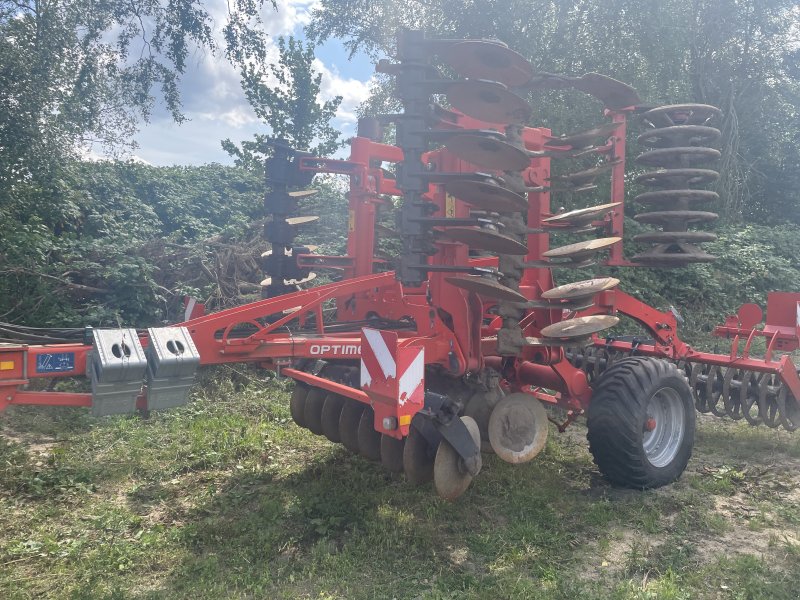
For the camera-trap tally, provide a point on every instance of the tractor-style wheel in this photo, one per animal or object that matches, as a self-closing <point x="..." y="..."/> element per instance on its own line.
<point x="297" y="404"/>
<point x="312" y="414"/>
<point x="641" y="423"/>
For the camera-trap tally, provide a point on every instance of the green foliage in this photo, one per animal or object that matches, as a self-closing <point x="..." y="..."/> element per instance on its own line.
<point x="285" y="96"/>
<point x="123" y="238"/>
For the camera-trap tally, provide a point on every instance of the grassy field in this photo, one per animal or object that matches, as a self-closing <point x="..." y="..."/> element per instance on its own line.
<point x="227" y="498"/>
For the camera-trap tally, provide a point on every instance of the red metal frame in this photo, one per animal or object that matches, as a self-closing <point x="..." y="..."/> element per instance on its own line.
<point x="450" y="325"/>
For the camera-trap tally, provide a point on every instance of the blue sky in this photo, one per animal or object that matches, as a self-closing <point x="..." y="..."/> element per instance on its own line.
<point x="215" y="106"/>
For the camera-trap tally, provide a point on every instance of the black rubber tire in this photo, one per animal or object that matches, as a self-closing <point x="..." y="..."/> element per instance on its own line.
<point x="297" y="404"/>
<point x="617" y="416"/>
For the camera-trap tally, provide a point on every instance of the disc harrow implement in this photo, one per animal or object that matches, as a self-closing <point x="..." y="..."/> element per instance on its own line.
<point x="446" y="334"/>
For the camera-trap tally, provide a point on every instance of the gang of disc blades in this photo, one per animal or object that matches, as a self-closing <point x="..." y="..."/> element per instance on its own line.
<point x="489" y="153"/>
<point x="485" y="239"/>
<point x="581" y="249"/>
<point x="486" y="287"/>
<point x="671" y="237"/>
<point x="579" y="327"/>
<point x="488" y="101"/>
<point x="487" y="196"/>
<point x="482" y="59"/>
<point x="581" y="289"/>
<point x="581" y="216"/>
<point x="582" y="139"/>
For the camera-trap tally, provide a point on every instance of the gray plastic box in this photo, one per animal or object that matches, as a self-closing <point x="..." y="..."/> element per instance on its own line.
<point x="116" y="366"/>
<point x="172" y="361"/>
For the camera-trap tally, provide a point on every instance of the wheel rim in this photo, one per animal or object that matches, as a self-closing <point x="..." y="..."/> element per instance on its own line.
<point x="663" y="427"/>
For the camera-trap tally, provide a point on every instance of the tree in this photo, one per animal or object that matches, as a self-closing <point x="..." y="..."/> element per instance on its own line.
<point x="285" y="95"/>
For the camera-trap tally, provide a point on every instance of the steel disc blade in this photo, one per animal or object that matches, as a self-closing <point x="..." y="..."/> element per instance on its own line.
<point x="581" y="250"/>
<point x="450" y="477"/>
<point x="586" y="176"/>
<point x="676" y="158"/>
<point x="418" y="458"/>
<point x="392" y="453"/>
<point x="613" y="93"/>
<point x="681" y="114"/>
<point x="331" y="413"/>
<point x="671" y="237"/>
<point x="479" y="407"/>
<point x="518" y="428"/>
<point x="676" y="219"/>
<point x="297" y="403"/>
<point x="582" y="216"/>
<point x="488" y="101"/>
<point x="312" y="414"/>
<point x="369" y="440"/>
<point x="348" y="424"/>
<point x="486" y="288"/>
<point x="677" y="178"/>
<point x="487" y="196"/>
<point x="676" y="198"/>
<point x="297" y="221"/>
<point x="579" y="327"/>
<point x="486" y="239"/>
<point x="679" y="135"/>
<point x="303" y="193"/>
<point x="664" y="258"/>
<point x="581" y="289"/>
<point x="482" y="59"/>
<point x="488" y="152"/>
<point x="582" y="139"/>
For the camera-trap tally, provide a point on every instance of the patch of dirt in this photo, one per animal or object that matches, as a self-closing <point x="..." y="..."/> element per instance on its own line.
<point x="37" y="446"/>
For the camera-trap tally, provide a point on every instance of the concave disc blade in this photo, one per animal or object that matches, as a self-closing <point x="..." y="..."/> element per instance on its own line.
<point x="677" y="178"/>
<point x="587" y="176"/>
<point x="303" y="193"/>
<point x="331" y="413"/>
<point x="486" y="287"/>
<point x="582" y="139"/>
<point x="611" y="92"/>
<point x="675" y="158"/>
<point x="581" y="289"/>
<point x="681" y="114"/>
<point x="369" y="440"/>
<point x="670" y="237"/>
<point x="518" y="428"/>
<point x="687" y="254"/>
<point x="581" y="249"/>
<point x="418" y="457"/>
<point x="295" y="221"/>
<point x="679" y="135"/>
<point x="579" y="327"/>
<point x="348" y="424"/>
<point x="487" y="196"/>
<point x="450" y="478"/>
<point x="297" y="403"/>
<point x="677" y="197"/>
<point x="488" y="101"/>
<point x="486" y="239"/>
<point x="483" y="59"/>
<point x="676" y="218"/>
<point x="582" y="216"/>
<point x="312" y="416"/>
<point x="488" y="153"/>
<point x="392" y="453"/>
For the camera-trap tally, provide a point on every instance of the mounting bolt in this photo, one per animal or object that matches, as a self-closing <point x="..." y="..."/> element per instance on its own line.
<point x="389" y="423"/>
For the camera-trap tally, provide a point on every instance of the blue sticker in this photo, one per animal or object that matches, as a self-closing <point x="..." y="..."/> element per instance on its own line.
<point x="55" y="363"/>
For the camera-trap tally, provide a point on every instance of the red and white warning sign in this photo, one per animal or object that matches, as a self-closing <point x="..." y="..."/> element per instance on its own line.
<point x="393" y="376"/>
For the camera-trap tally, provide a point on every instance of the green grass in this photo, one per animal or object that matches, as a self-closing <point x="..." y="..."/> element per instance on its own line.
<point x="226" y="498"/>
